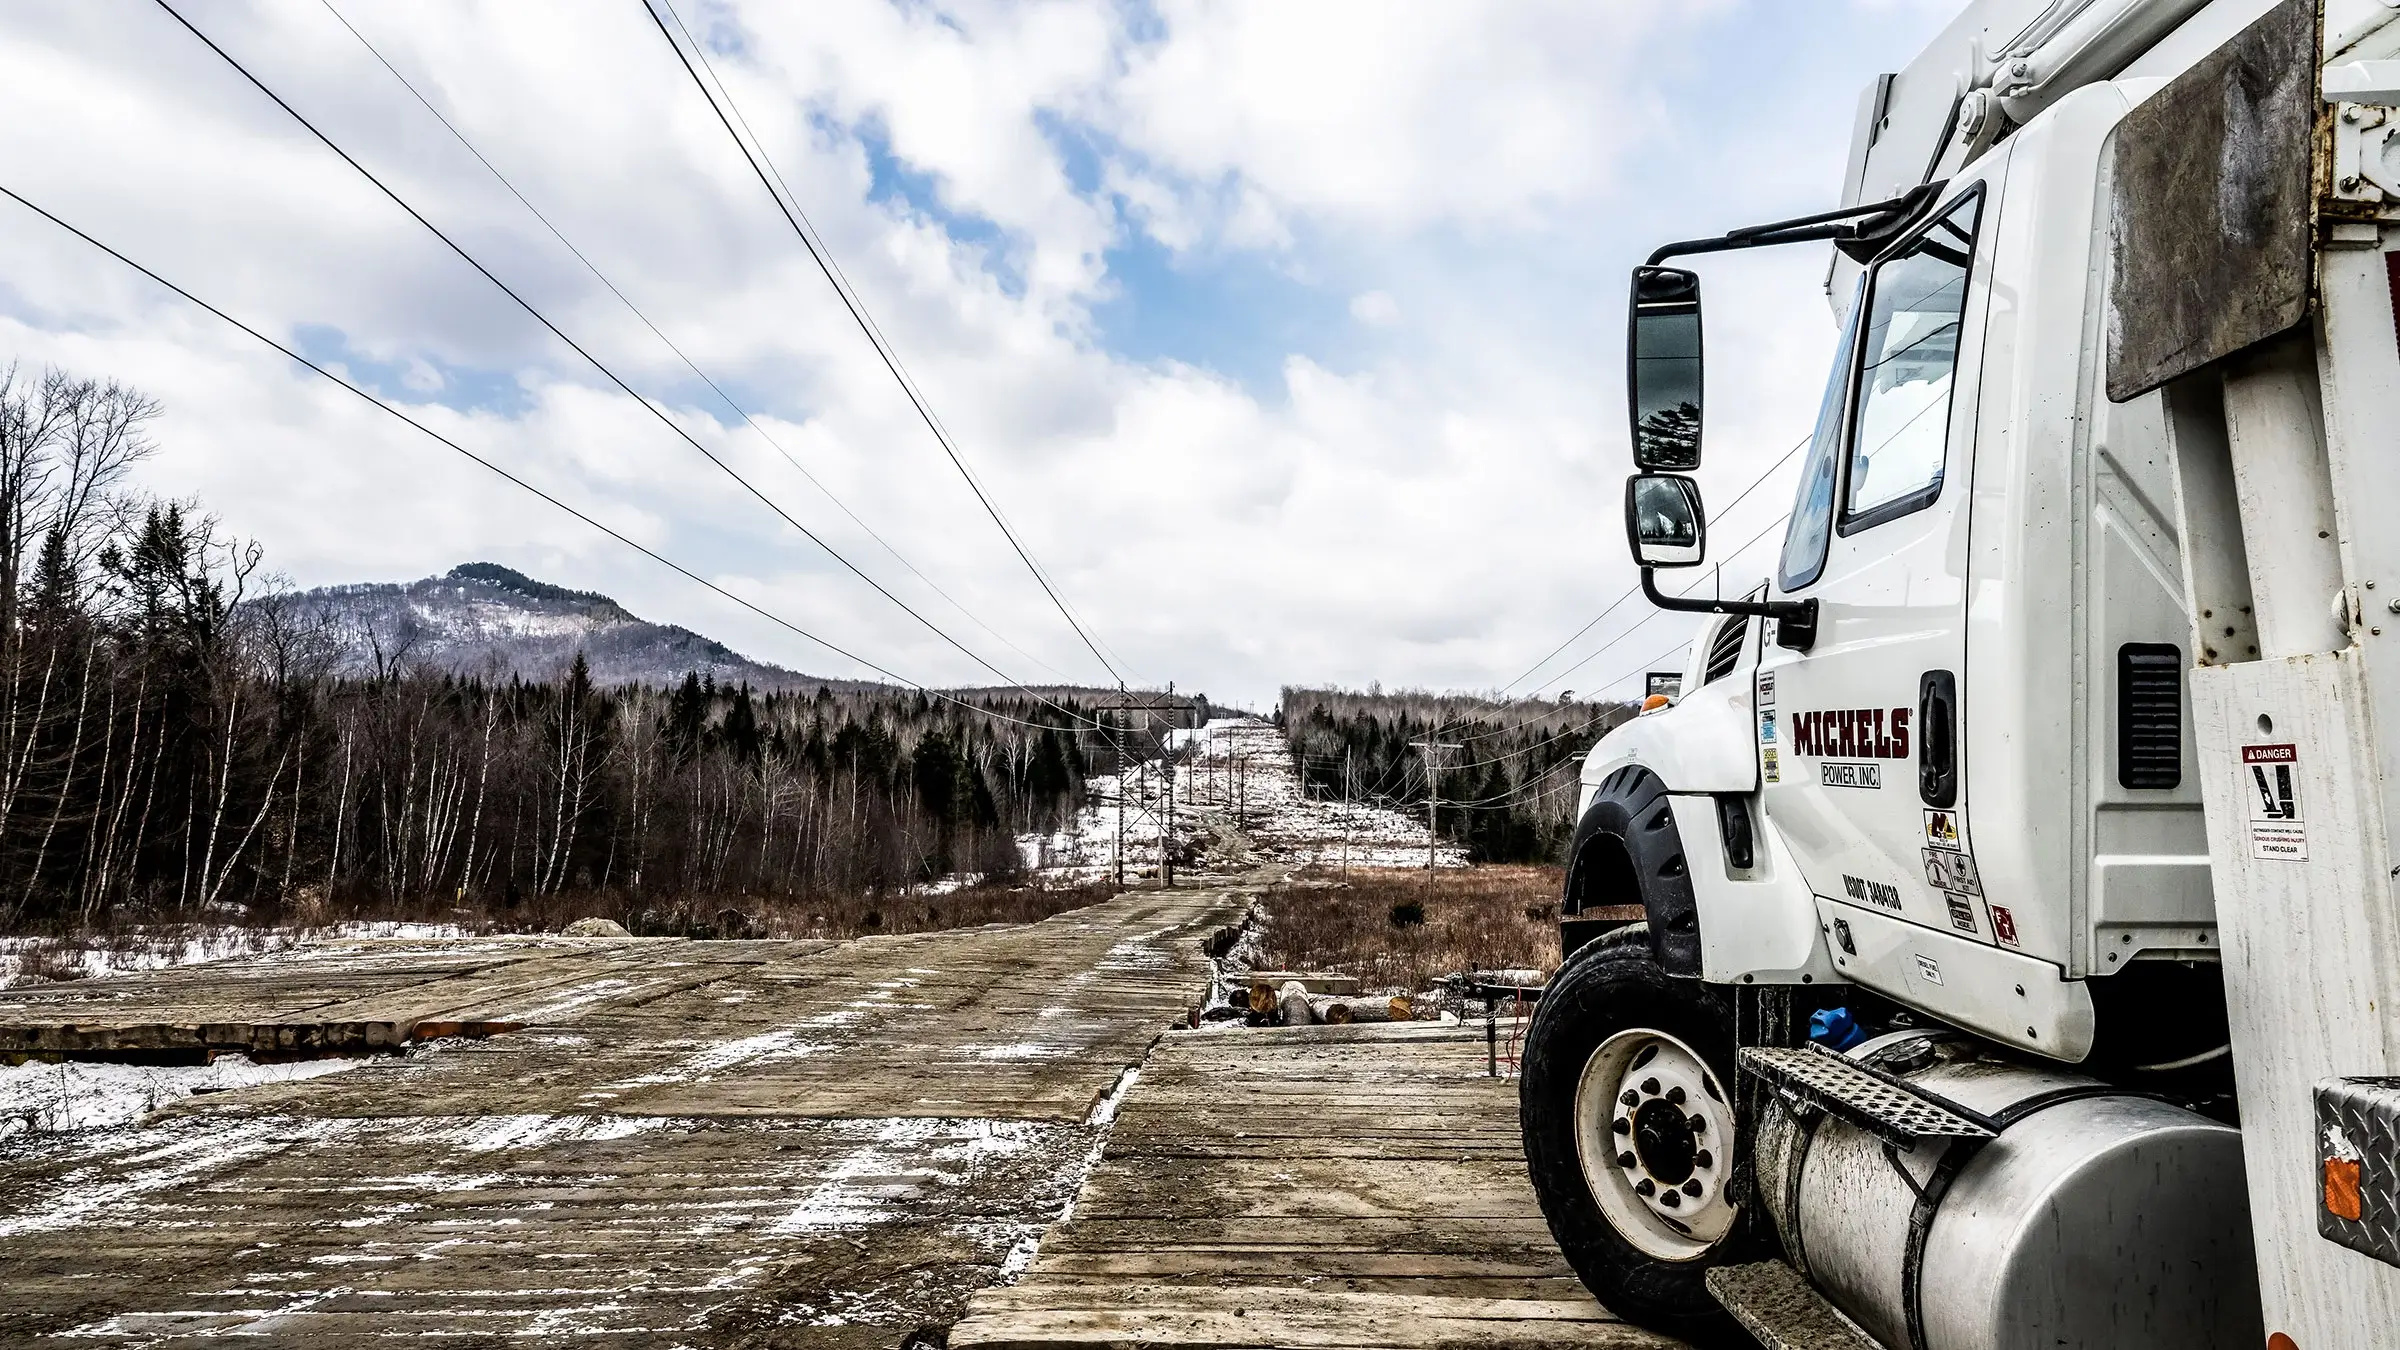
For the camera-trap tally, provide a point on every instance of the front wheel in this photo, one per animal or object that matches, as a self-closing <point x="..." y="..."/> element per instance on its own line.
<point x="1626" y="1104"/>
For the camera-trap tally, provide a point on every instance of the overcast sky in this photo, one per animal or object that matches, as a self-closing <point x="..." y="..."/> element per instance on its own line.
<point x="1289" y="335"/>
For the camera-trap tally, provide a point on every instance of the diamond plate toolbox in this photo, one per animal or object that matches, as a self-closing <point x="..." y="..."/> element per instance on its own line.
<point x="2358" y="1144"/>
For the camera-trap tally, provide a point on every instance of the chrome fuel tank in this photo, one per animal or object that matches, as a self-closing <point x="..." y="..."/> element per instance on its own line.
<point x="2096" y="1218"/>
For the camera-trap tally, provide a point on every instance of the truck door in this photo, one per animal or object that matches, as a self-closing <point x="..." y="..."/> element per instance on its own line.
<point x="1858" y="735"/>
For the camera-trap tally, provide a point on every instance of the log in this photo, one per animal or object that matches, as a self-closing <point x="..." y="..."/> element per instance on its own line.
<point x="1314" y="983"/>
<point x="1264" y="999"/>
<point x="1297" y="1010"/>
<point x="1343" y="1010"/>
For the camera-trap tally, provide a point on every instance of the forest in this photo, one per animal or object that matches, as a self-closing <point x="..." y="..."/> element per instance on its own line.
<point x="177" y="745"/>
<point x="1507" y="789"/>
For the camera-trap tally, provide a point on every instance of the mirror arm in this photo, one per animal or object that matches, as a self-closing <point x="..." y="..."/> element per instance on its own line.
<point x="1756" y="237"/>
<point x="1869" y="225"/>
<point x="1795" y="620"/>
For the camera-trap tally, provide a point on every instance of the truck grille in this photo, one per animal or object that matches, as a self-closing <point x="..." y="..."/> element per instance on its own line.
<point x="2149" y="715"/>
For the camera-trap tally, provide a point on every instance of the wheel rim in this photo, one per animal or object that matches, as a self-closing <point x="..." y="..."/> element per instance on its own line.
<point x="1654" y="1132"/>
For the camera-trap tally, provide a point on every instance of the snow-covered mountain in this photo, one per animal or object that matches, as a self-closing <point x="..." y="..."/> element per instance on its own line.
<point x="482" y="618"/>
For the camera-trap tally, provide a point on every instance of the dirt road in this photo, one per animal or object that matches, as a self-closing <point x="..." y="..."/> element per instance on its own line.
<point x="825" y="1147"/>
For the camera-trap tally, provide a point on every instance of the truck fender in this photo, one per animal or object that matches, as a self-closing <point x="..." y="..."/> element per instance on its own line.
<point x="1627" y="851"/>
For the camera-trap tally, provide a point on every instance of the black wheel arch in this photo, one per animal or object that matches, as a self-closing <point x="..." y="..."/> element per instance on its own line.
<point x="1627" y="851"/>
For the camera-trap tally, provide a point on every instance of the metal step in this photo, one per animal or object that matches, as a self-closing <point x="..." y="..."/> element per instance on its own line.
<point x="1776" y="1305"/>
<point x="1890" y="1108"/>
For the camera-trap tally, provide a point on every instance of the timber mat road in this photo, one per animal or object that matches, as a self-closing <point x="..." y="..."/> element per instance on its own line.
<point x="668" y="1143"/>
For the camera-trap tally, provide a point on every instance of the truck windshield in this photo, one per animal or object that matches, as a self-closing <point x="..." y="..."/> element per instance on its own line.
<point x="1812" y="509"/>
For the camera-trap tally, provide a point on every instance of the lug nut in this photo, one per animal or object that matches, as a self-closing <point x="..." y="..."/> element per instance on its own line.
<point x="1699" y="1124"/>
<point x="1670" y="1199"/>
<point x="1626" y="1160"/>
<point x="1704" y="1160"/>
<point x="1624" y="1125"/>
<point x="1649" y="1087"/>
<point x="1645" y="1187"/>
<point x="1630" y="1098"/>
<point x="1692" y="1188"/>
<point x="1675" y="1095"/>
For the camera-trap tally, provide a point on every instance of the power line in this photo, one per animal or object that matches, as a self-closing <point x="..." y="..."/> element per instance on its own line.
<point x="1611" y="644"/>
<point x="669" y="343"/>
<point x="1552" y="738"/>
<point x="844" y="287"/>
<point x="1608" y="647"/>
<point x="1719" y="514"/>
<point x="579" y="350"/>
<point x="1623" y="596"/>
<point x="643" y="549"/>
<point x="874" y="337"/>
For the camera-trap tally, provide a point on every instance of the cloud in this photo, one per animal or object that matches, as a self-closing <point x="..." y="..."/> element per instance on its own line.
<point x="1143" y="261"/>
<point x="1375" y="309"/>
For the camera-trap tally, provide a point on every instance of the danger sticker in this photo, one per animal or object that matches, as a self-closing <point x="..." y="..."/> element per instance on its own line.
<point x="1928" y="969"/>
<point x="1768" y="766"/>
<point x="2271" y="775"/>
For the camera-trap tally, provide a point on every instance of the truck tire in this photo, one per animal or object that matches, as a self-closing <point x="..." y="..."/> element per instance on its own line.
<point x="1620" y="1062"/>
<point x="1627" y="851"/>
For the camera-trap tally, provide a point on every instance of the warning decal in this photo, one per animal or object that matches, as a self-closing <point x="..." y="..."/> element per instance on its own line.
<point x="1949" y="871"/>
<point x="1941" y="830"/>
<point x="2270" y="777"/>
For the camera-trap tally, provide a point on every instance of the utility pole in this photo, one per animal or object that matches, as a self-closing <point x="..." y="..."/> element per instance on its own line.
<point x="1345" y="813"/>
<point x="1431" y="750"/>
<point x="1156" y="805"/>
<point x="1116" y="738"/>
<point x="1166" y="828"/>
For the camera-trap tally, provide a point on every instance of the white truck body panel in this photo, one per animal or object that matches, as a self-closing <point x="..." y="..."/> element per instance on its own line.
<point x="1762" y="923"/>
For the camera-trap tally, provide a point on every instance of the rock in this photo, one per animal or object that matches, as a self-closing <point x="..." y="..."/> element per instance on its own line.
<point x="595" y="928"/>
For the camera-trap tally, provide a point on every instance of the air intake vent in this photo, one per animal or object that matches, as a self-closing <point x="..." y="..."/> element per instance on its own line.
<point x="2149" y="715"/>
<point x="1725" y="649"/>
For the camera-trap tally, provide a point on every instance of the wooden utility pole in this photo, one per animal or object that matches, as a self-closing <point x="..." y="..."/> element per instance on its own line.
<point x="1166" y="828"/>
<point x="1345" y="813"/>
<point x="1116" y="738"/>
<point x="1432" y="750"/>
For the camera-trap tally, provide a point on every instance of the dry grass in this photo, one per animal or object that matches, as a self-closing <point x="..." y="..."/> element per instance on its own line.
<point x="861" y="916"/>
<point x="60" y="953"/>
<point x="1022" y="900"/>
<point x="1474" y="918"/>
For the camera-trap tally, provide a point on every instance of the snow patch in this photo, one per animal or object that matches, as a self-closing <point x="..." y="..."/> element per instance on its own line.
<point x="38" y="1098"/>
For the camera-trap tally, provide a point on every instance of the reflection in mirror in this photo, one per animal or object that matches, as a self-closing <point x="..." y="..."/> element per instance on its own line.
<point x="1663" y="368"/>
<point x="1664" y="521"/>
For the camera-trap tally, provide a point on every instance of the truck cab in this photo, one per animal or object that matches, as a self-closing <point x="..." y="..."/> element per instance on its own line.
<point x="1968" y="789"/>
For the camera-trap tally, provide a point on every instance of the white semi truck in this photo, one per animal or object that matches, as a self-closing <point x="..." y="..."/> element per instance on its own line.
<point x="2014" y="945"/>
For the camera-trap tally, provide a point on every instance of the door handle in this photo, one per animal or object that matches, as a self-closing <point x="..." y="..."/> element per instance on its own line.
<point x="1937" y="738"/>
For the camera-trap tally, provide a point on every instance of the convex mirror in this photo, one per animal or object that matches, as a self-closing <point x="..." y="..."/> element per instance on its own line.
<point x="1664" y="521"/>
<point x="1662" y="347"/>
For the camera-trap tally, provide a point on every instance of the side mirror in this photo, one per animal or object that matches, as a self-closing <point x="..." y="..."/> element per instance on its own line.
<point x="1664" y="522"/>
<point x="1662" y="368"/>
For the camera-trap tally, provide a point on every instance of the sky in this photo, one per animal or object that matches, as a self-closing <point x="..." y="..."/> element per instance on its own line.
<point x="1288" y="337"/>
